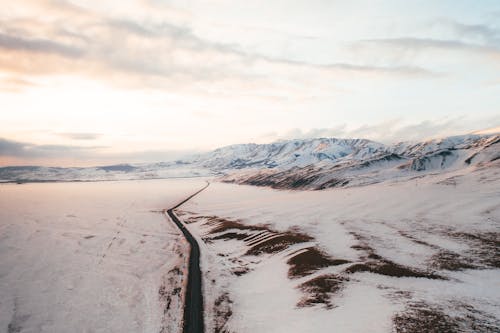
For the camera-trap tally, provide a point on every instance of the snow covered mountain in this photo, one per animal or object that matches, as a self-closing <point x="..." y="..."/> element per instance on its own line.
<point x="305" y="164"/>
<point x="367" y="166"/>
<point x="287" y="154"/>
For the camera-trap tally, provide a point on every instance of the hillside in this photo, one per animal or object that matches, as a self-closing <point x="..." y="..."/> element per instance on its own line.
<point x="368" y="166"/>
<point x="297" y="164"/>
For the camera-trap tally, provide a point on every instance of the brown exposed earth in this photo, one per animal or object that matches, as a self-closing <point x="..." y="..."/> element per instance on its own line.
<point x="259" y="240"/>
<point x="320" y="289"/>
<point x="310" y="260"/>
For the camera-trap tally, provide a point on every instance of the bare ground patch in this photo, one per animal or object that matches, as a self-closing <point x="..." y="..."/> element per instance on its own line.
<point x="320" y="290"/>
<point x="230" y="235"/>
<point x="310" y="260"/>
<point x="222" y="313"/>
<point x="279" y="242"/>
<point x="423" y="317"/>
<point x="374" y="263"/>
<point x="451" y="261"/>
<point x="221" y="225"/>
<point x="389" y="268"/>
<point x="171" y="297"/>
<point x="484" y="247"/>
<point x="261" y="239"/>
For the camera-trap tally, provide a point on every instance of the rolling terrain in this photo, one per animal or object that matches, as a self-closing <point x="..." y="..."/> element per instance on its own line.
<point x="296" y="164"/>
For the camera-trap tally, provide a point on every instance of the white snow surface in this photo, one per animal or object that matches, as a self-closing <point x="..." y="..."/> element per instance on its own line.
<point x="91" y="257"/>
<point x="410" y="223"/>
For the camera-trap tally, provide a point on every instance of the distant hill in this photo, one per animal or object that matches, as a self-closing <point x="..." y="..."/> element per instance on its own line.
<point x="299" y="164"/>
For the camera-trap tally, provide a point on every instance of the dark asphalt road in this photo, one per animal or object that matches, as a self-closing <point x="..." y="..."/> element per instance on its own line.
<point x="193" y="306"/>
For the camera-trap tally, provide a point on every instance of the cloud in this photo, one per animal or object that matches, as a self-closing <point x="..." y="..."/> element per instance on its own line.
<point x="481" y="32"/>
<point x="80" y="136"/>
<point x="423" y="44"/>
<point x="22" y="153"/>
<point x="12" y="148"/>
<point x="38" y="46"/>
<point x="145" y="50"/>
<point x="392" y="131"/>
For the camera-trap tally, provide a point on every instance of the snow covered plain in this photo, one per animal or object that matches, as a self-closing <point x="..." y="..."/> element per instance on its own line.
<point x="407" y="255"/>
<point x="91" y="257"/>
<point x="401" y="238"/>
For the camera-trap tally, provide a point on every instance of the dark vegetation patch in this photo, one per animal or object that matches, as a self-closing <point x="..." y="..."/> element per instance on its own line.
<point x="222" y="225"/>
<point x="239" y="271"/>
<point x="308" y="177"/>
<point x="472" y="320"/>
<point x="222" y="313"/>
<point x="170" y="296"/>
<point x="491" y="239"/>
<point x="374" y="263"/>
<point x="89" y="236"/>
<point x="231" y="235"/>
<point x="470" y="158"/>
<point x="426" y="162"/>
<point x="193" y="219"/>
<point x="310" y="260"/>
<point x="260" y="238"/>
<point x="253" y="237"/>
<point x="240" y="266"/>
<point x="450" y="261"/>
<point x="118" y="167"/>
<point x="484" y="247"/>
<point x="483" y="251"/>
<point x="320" y="289"/>
<point x="278" y="243"/>
<point x="422" y="317"/>
<point x="299" y="181"/>
<point x="296" y="181"/>
<point x="166" y="294"/>
<point x="416" y="240"/>
<point x="334" y="182"/>
<point x="389" y="268"/>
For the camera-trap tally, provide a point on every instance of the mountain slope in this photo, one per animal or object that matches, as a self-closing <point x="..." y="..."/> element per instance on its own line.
<point x="404" y="160"/>
<point x="299" y="164"/>
<point x="287" y="154"/>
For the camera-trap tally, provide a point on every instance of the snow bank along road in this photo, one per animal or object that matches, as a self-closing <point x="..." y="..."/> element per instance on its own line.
<point x="193" y="306"/>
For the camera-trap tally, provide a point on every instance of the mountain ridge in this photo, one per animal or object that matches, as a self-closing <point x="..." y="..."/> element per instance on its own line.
<point x="315" y="163"/>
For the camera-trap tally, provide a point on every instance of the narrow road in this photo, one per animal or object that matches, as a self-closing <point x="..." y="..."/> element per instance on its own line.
<point x="193" y="306"/>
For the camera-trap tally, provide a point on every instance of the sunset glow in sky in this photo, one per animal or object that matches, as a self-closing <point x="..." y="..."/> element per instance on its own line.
<point x="99" y="82"/>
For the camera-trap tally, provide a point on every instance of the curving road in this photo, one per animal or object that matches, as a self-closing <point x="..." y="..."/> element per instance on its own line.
<point x="193" y="305"/>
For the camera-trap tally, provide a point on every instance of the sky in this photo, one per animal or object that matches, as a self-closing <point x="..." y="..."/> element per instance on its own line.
<point x="102" y="82"/>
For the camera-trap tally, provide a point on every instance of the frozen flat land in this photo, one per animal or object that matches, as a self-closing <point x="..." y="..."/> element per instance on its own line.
<point x="91" y="257"/>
